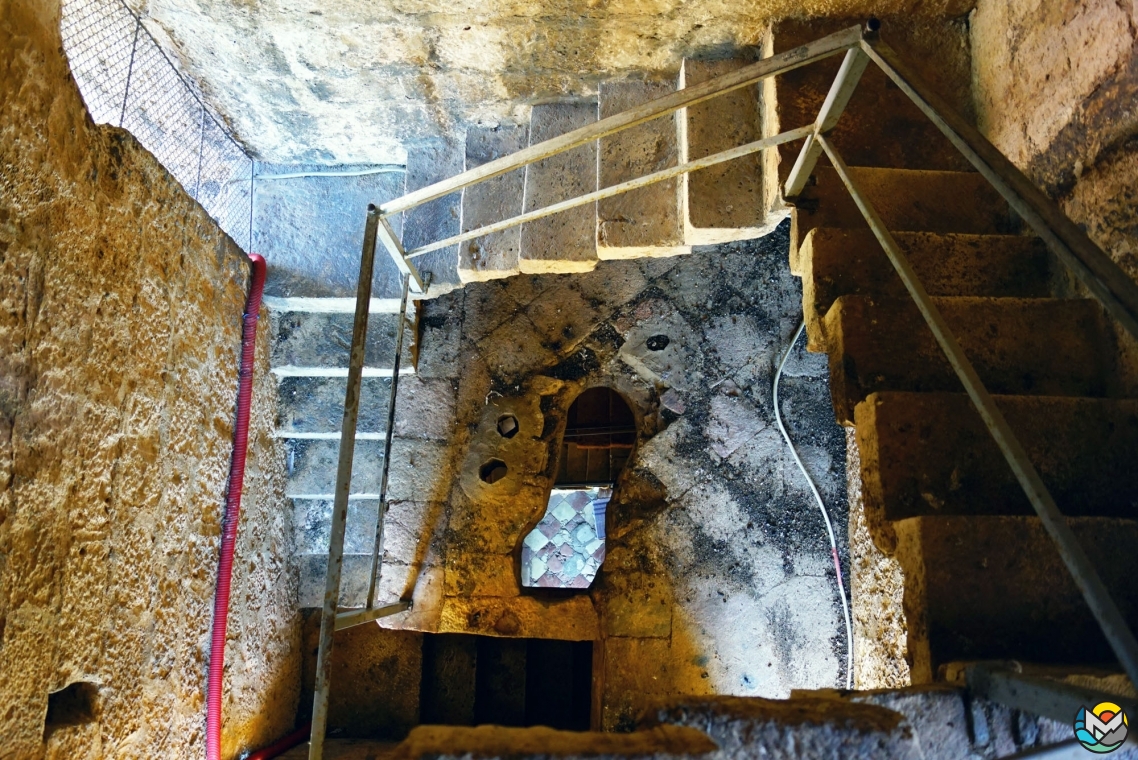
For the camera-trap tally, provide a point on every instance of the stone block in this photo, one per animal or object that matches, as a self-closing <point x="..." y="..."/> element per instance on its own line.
<point x="440" y="333"/>
<point x="661" y="743"/>
<point x="632" y="604"/>
<point x="995" y="588"/>
<point x="312" y="466"/>
<point x="563" y="317"/>
<point x="494" y="255"/>
<point x="377" y="676"/>
<point x="907" y="200"/>
<point x="930" y="454"/>
<point x="425" y="408"/>
<point x="838" y="262"/>
<point x="723" y="202"/>
<point x="636" y="674"/>
<point x="806" y="726"/>
<point x="413" y="532"/>
<point x="431" y="161"/>
<point x="479" y="574"/>
<point x="1045" y="347"/>
<point x="564" y="242"/>
<point x="645" y="221"/>
<point x="568" y="619"/>
<point x="420" y="471"/>
<point x="423" y="585"/>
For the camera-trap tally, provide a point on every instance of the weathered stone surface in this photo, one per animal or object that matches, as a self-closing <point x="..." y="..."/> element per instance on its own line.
<point x="969" y="597"/>
<point x="880" y="126"/>
<point x="445" y="742"/>
<point x="430" y="161"/>
<point x="838" y="262"/>
<point x="316" y="404"/>
<point x="376" y="673"/>
<point x="1083" y="449"/>
<point x="120" y="332"/>
<point x="564" y="242"/>
<point x="494" y="255"/>
<point x="306" y="339"/>
<point x="311" y="230"/>
<point x="800" y="727"/>
<point x="906" y="200"/>
<point x="723" y="202"/>
<point x="568" y="619"/>
<point x="1044" y="347"/>
<point x="877" y="594"/>
<point x="312" y="466"/>
<point x="646" y="221"/>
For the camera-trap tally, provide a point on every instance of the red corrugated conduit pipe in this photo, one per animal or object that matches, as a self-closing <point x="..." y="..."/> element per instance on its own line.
<point x="232" y="511"/>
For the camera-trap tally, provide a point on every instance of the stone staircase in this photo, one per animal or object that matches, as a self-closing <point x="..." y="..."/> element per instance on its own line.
<point x="981" y="578"/>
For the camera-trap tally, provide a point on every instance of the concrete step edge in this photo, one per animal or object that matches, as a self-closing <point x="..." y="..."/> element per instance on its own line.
<point x="329" y="305"/>
<point x="291" y="370"/>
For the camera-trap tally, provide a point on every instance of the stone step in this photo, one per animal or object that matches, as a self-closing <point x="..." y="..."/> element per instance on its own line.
<point x="430" y="161"/>
<point x="842" y="262"/>
<point x="494" y="255"/>
<point x="1046" y="347"/>
<point x="645" y="221"/>
<point x="565" y="242"/>
<point x="907" y="200"/>
<point x="880" y="126"/>
<point x="995" y="588"/>
<point x="323" y="340"/>
<point x="312" y="465"/>
<point x="309" y="225"/>
<point x="724" y="202"/>
<point x="930" y="454"/>
<point x="314" y="406"/>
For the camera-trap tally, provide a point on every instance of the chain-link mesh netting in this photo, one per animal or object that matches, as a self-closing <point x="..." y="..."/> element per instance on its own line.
<point x="127" y="80"/>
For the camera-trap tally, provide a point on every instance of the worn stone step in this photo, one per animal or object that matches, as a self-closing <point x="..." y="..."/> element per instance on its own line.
<point x="430" y="161"/>
<point x="880" y="126"/>
<point x="907" y="200"/>
<point x="995" y="588"/>
<point x="724" y="202"/>
<point x="315" y="405"/>
<point x="1046" y="347"/>
<point x="497" y="199"/>
<point x="645" y="221"/>
<point x="841" y="262"/>
<point x="309" y="225"/>
<point x="930" y="454"/>
<point x="312" y="465"/>
<point x="324" y="340"/>
<point x="564" y="242"/>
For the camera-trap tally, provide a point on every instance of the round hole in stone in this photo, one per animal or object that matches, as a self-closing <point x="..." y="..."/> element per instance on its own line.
<point x="507" y="426"/>
<point x="657" y="342"/>
<point x="492" y="471"/>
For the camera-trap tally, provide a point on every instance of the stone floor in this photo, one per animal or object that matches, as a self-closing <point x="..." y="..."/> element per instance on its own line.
<point x="567" y="547"/>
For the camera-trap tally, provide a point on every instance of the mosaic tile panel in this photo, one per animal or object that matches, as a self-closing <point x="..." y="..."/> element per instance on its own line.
<point x="567" y="547"/>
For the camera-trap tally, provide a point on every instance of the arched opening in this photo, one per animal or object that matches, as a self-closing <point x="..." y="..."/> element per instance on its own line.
<point x="567" y="546"/>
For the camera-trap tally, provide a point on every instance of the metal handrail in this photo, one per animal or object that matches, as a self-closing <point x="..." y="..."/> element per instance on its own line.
<point x="653" y="109"/>
<point x="1093" y="267"/>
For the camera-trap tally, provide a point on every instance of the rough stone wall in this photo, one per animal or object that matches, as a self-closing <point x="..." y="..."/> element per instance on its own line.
<point x="301" y="81"/>
<point x="1055" y="86"/>
<point x="718" y="577"/>
<point x="120" y="327"/>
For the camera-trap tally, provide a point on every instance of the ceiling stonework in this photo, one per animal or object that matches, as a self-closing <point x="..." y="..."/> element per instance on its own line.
<point x="352" y="81"/>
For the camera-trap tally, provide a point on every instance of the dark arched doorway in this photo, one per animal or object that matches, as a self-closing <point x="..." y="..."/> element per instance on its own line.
<point x="567" y="546"/>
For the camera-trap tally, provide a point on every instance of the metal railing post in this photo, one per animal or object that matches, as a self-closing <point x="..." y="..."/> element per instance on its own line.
<point x="343" y="488"/>
<point x="853" y="66"/>
<point x="1102" y="606"/>
<point x="377" y="550"/>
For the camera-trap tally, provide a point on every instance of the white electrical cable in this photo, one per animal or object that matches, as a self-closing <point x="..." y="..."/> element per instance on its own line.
<point x="821" y="506"/>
